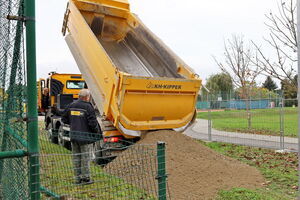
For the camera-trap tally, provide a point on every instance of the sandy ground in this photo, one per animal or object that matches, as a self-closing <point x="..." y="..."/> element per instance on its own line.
<point x="195" y="171"/>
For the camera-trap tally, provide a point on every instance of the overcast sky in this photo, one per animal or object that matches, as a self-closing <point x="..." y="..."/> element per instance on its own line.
<point x="194" y="29"/>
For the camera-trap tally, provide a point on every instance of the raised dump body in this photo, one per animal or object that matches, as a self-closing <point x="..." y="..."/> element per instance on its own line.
<point x="137" y="82"/>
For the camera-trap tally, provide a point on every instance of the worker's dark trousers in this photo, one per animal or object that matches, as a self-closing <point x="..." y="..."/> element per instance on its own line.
<point x="81" y="160"/>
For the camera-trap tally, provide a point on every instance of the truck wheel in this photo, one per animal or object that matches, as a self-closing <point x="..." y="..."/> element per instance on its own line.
<point x="61" y="141"/>
<point x="101" y="153"/>
<point x="52" y="138"/>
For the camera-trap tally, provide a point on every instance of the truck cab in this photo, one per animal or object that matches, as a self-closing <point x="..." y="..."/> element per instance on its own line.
<point x="55" y="93"/>
<point x="58" y="91"/>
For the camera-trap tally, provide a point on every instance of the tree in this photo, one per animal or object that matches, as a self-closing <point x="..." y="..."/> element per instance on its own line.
<point x="289" y="89"/>
<point x="219" y="82"/>
<point x="283" y="41"/>
<point x="259" y="93"/>
<point x="237" y="64"/>
<point x="269" y="84"/>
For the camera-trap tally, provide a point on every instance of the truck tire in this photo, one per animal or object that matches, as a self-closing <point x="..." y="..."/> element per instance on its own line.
<point x="52" y="138"/>
<point x="61" y="141"/>
<point x="101" y="153"/>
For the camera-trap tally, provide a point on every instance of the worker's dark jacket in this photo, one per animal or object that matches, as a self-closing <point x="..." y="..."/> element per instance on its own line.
<point x="45" y="102"/>
<point x="81" y="117"/>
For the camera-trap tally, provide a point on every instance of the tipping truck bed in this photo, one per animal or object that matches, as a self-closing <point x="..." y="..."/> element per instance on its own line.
<point x="136" y="81"/>
<point x="131" y="58"/>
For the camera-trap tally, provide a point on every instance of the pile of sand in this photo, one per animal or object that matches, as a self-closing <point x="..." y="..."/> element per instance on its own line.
<point x="194" y="171"/>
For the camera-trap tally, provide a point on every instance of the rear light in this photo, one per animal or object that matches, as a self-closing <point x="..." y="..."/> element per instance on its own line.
<point x="112" y="139"/>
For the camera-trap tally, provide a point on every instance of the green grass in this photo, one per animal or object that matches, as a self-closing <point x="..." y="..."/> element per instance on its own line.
<point x="279" y="170"/>
<point x="263" y="121"/>
<point x="57" y="175"/>
<point x="242" y="194"/>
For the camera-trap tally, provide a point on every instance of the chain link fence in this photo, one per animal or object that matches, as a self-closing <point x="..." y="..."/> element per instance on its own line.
<point x="118" y="172"/>
<point x="268" y="123"/>
<point x="13" y="136"/>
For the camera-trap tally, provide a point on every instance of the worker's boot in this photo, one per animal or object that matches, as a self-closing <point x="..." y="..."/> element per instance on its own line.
<point x="86" y="181"/>
<point x="78" y="181"/>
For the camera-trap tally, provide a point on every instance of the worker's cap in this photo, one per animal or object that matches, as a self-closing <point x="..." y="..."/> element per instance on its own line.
<point x="84" y="93"/>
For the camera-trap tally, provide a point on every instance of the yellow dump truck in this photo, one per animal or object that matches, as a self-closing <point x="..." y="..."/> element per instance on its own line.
<point x="138" y="84"/>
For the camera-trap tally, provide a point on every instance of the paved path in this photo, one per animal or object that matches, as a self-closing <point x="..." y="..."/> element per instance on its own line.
<point x="200" y="131"/>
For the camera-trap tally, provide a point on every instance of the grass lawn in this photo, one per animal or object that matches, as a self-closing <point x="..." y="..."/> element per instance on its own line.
<point x="57" y="175"/>
<point x="263" y="121"/>
<point x="279" y="169"/>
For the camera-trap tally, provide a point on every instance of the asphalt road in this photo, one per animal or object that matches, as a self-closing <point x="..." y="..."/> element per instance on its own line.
<point x="200" y="131"/>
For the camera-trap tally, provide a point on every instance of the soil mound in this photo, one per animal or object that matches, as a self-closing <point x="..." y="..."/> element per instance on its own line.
<point x="194" y="171"/>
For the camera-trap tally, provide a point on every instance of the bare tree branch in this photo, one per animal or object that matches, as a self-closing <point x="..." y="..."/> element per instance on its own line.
<point x="283" y="42"/>
<point x="238" y="65"/>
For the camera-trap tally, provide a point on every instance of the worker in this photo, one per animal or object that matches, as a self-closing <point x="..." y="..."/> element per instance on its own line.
<point x="45" y="99"/>
<point x="81" y="117"/>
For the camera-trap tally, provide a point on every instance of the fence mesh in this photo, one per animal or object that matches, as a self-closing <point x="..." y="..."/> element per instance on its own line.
<point x="130" y="175"/>
<point x="13" y="172"/>
<point x="268" y="123"/>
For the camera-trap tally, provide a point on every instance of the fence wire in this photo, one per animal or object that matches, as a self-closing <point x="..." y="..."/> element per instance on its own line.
<point x="13" y="172"/>
<point x="267" y="123"/>
<point x="114" y="173"/>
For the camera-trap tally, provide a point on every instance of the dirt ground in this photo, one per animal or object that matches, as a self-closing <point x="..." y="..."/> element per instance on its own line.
<point x="194" y="171"/>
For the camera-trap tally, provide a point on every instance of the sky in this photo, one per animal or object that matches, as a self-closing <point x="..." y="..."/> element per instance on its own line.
<point x="194" y="29"/>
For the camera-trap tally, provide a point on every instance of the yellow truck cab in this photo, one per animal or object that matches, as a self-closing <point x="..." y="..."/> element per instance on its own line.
<point x="67" y="84"/>
<point x="55" y="93"/>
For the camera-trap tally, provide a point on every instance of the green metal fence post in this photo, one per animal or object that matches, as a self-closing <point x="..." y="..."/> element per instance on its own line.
<point x="161" y="171"/>
<point x="32" y="124"/>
